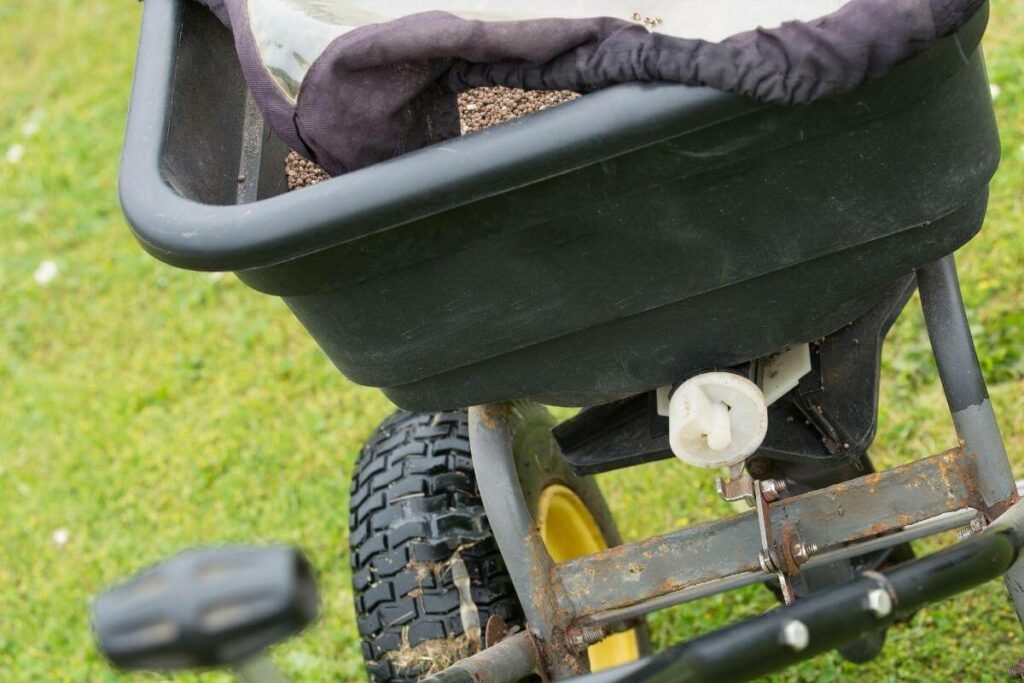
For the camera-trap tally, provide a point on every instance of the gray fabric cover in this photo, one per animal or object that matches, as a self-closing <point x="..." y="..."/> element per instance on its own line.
<point x="385" y="89"/>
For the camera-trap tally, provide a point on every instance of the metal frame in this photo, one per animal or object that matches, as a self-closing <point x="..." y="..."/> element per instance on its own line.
<point x="571" y="604"/>
<point x="967" y="396"/>
<point x="834" y="616"/>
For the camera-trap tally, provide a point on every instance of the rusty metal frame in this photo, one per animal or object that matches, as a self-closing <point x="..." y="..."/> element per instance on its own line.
<point x="845" y="519"/>
<point x="845" y="513"/>
<point x="973" y="482"/>
<point x="530" y="567"/>
<point x="826" y="619"/>
<point x="858" y="510"/>
<point x="834" y="615"/>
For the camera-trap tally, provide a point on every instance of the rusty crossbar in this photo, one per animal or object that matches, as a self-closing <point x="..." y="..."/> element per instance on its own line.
<point x="851" y="511"/>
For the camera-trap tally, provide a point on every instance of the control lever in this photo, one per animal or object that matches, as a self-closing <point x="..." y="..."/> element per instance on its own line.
<point x="208" y="608"/>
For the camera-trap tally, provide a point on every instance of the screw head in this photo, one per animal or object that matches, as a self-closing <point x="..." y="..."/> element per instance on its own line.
<point x="795" y="635"/>
<point x="879" y="602"/>
<point x="759" y="467"/>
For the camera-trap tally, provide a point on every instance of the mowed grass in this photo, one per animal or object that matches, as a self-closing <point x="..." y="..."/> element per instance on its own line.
<point x="144" y="410"/>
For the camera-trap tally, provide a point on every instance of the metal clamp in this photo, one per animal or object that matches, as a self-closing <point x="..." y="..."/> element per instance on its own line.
<point x="768" y="556"/>
<point x="740" y="486"/>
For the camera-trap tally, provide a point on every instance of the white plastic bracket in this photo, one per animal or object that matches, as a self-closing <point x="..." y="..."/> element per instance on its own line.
<point x="782" y="371"/>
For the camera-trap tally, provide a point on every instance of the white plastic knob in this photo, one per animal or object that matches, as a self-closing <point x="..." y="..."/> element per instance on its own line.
<point x="716" y="419"/>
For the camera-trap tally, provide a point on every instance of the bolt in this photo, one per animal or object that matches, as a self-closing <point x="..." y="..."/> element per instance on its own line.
<point x="582" y="637"/>
<point x="879" y="602"/>
<point x="795" y="635"/>
<point x="976" y="527"/>
<point x="803" y="552"/>
<point x="759" y="467"/>
<point x="773" y="489"/>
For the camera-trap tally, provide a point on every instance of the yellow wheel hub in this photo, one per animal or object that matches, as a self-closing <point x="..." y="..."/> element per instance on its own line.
<point x="569" y="530"/>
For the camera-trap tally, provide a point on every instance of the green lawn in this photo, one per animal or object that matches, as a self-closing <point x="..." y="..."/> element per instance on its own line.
<point x="145" y="409"/>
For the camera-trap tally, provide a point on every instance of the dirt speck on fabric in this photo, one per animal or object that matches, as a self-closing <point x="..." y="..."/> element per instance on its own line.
<point x="479" y="108"/>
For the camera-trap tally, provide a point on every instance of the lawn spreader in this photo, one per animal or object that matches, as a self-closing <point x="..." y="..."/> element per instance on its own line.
<point x="706" y="274"/>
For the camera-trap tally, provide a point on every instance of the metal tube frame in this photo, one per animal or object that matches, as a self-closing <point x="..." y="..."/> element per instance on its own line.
<point x="529" y="565"/>
<point x="973" y="418"/>
<point x="844" y="520"/>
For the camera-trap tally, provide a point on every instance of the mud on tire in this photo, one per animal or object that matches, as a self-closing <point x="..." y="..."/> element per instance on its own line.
<point x="416" y="524"/>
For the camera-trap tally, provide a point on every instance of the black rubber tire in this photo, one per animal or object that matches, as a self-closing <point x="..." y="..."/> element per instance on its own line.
<point x="414" y="502"/>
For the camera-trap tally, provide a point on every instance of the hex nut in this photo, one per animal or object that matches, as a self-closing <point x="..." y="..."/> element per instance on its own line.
<point x="795" y="635"/>
<point x="773" y="489"/>
<point x="879" y="602"/>
<point x="802" y="552"/>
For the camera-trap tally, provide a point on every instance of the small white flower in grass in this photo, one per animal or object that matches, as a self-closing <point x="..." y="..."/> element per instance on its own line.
<point x="46" y="273"/>
<point x="215" y="277"/>
<point x="302" y="660"/>
<point x="15" y="153"/>
<point x="994" y="89"/>
<point x="61" y="537"/>
<point x="31" y="127"/>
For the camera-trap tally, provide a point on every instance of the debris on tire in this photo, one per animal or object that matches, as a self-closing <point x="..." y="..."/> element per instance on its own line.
<point x="431" y="656"/>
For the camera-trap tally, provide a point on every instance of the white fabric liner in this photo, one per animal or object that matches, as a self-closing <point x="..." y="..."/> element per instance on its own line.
<point x="291" y="34"/>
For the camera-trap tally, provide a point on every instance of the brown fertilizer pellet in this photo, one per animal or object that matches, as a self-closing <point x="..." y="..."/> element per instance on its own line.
<point x="302" y="172"/>
<point x="478" y="109"/>
<point x="484" y="107"/>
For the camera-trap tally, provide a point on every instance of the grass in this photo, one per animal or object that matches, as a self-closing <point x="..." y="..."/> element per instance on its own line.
<point x="145" y="409"/>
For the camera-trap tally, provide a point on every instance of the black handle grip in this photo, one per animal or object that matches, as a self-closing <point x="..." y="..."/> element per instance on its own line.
<point x="206" y="608"/>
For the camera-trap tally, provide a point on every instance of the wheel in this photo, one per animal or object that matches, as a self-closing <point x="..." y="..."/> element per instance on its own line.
<point x="426" y="572"/>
